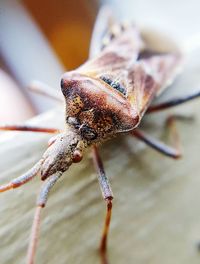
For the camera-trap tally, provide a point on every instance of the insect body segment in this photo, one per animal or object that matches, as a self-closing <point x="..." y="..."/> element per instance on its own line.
<point x="94" y="109"/>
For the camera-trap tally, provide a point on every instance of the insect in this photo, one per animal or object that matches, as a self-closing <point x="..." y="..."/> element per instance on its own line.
<point x="106" y="96"/>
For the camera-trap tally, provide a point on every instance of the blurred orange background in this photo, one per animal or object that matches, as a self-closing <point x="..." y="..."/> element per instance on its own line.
<point x="63" y="28"/>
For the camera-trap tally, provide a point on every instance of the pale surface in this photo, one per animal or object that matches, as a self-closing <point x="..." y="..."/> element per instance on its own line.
<point x="156" y="216"/>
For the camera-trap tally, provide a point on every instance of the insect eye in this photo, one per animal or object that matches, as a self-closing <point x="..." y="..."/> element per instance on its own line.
<point x="88" y="133"/>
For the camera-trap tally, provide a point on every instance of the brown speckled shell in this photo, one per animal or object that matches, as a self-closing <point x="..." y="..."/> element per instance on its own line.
<point x="96" y="105"/>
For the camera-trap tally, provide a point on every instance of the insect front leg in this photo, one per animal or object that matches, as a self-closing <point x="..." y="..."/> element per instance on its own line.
<point x="173" y="102"/>
<point x="108" y="197"/>
<point x="41" y="202"/>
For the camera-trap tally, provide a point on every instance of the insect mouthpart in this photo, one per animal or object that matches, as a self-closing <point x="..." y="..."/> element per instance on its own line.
<point x="66" y="149"/>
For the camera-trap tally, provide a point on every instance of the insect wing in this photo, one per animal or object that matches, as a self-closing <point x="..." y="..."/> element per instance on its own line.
<point x="149" y="76"/>
<point x="122" y="50"/>
<point x="127" y="64"/>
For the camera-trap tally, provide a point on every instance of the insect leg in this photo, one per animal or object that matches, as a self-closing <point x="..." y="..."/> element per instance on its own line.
<point x="172" y="103"/>
<point x="41" y="202"/>
<point x="108" y="196"/>
<point x="172" y="152"/>
<point x="29" y="128"/>
<point x="46" y="90"/>
<point x="26" y="177"/>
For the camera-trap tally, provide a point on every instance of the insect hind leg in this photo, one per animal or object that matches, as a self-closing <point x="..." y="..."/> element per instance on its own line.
<point x="41" y="202"/>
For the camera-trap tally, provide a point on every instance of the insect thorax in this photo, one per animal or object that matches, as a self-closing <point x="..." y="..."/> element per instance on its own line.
<point x="94" y="108"/>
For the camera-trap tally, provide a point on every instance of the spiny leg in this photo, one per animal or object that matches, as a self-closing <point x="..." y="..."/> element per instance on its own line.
<point x="173" y="102"/>
<point x="46" y="90"/>
<point x="41" y="202"/>
<point x="108" y="196"/>
<point x="29" y="128"/>
<point x="21" y="180"/>
<point x="172" y="152"/>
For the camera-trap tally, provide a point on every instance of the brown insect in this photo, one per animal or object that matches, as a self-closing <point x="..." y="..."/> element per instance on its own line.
<point x="107" y="95"/>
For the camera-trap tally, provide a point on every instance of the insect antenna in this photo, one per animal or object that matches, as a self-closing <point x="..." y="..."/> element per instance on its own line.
<point x="34" y="235"/>
<point x="21" y="180"/>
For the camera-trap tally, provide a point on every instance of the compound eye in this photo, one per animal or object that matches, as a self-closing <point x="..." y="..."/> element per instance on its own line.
<point x="88" y="133"/>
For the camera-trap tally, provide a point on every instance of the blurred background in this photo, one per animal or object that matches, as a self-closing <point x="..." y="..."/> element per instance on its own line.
<point x="39" y="40"/>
